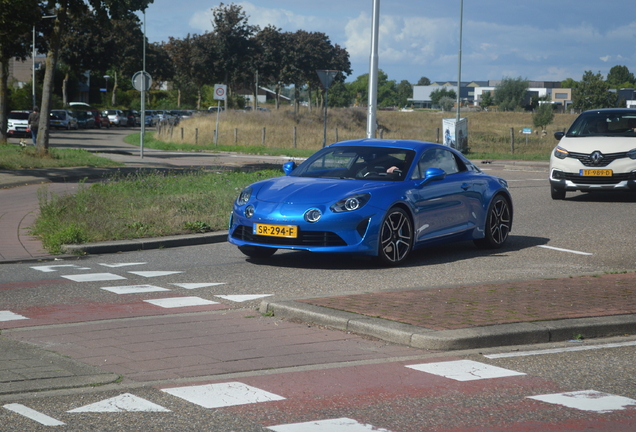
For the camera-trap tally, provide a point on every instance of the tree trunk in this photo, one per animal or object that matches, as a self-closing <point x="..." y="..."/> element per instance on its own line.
<point x="42" y="145"/>
<point x="4" y="99"/>
<point x="113" y="99"/>
<point x="65" y="89"/>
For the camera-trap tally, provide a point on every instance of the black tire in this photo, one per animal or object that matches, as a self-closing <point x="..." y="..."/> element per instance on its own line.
<point x="498" y="224"/>
<point x="257" y="251"/>
<point x="557" y="193"/>
<point x="395" y="237"/>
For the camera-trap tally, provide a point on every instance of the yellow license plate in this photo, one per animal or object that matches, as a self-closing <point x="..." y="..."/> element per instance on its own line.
<point x="596" y="172"/>
<point x="276" y="230"/>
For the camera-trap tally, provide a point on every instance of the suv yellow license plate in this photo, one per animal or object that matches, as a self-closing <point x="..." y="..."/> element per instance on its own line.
<point x="276" y="230"/>
<point x="596" y="172"/>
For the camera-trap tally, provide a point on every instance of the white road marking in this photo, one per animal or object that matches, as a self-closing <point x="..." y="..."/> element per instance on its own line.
<point x="588" y="400"/>
<point x="175" y="302"/>
<point x="560" y="350"/>
<point x="94" y="277"/>
<point x="565" y="250"/>
<point x="197" y="285"/>
<point x="53" y="268"/>
<point x="242" y="298"/>
<point x="122" y="264"/>
<point x="134" y="289"/>
<point x="123" y="403"/>
<point x="222" y="395"/>
<point x="332" y="425"/>
<point x="464" y="370"/>
<point x="6" y="315"/>
<point x="34" y="415"/>
<point x="154" y="273"/>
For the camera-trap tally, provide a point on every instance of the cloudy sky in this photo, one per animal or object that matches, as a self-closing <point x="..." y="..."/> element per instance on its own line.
<point x="534" y="39"/>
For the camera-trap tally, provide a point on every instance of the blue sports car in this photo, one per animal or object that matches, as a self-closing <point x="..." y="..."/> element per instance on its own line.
<point x="382" y="198"/>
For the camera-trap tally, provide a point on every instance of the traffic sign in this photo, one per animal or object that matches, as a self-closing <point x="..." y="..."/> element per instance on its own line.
<point x="142" y="81"/>
<point x="220" y="91"/>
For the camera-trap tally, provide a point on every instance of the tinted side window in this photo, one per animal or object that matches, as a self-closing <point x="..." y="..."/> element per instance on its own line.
<point x="437" y="158"/>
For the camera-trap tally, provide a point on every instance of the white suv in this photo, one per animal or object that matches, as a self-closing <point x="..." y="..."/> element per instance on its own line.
<point x="18" y="123"/>
<point x="598" y="152"/>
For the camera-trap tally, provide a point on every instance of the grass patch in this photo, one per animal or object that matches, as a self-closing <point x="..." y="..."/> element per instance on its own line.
<point x="16" y="157"/>
<point x="143" y="204"/>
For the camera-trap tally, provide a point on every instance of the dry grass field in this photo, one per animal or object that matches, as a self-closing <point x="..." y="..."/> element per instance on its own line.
<point x="489" y="133"/>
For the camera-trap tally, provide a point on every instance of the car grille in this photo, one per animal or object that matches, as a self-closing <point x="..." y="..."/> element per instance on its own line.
<point x="305" y="238"/>
<point x="616" y="178"/>
<point x="586" y="159"/>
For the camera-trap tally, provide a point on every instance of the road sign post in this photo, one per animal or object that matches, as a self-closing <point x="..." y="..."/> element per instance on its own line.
<point x="220" y="94"/>
<point x="142" y="81"/>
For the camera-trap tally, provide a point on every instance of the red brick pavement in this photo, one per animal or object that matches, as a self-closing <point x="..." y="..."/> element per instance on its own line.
<point x="500" y="303"/>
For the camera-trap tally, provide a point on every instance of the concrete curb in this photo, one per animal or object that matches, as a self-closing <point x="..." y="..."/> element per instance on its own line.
<point x="469" y="338"/>
<point x="145" y="243"/>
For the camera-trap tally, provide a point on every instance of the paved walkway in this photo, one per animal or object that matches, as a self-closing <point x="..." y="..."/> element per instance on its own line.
<point x="448" y="318"/>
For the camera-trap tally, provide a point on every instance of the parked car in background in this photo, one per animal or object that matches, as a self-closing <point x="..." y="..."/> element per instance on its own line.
<point x="85" y="119"/>
<point x="18" y="123"/>
<point x="151" y="118"/>
<point x="100" y="120"/>
<point x="63" y="119"/>
<point x="116" y="117"/>
<point x="134" y="119"/>
<point x="380" y="198"/>
<point x="163" y="116"/>
<point x="597" y="153"/>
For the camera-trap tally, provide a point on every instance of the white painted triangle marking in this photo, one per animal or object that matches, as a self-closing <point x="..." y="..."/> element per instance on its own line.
<point x="134" y="289"/>
<point x="242" y="298"/>
<point x="122" y="264"/>
<point x="332" y="425"/>
<point x="175" y="302"/>
<point x="197" y="285"/>
<point x="464" y="370"/>
<point x="53" y="268"/>
<point x="154" y="273"/>
<point x="588" y="400"/>
<point x="123" y="403"/>
<point x="223" y="394"/>
<point x="94" y="277"/>
<point x="10" y="316"/>
<point x="34" y="415"/>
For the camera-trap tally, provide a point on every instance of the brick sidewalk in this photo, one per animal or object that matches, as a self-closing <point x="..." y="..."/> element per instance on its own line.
<point x="501" y="303"/>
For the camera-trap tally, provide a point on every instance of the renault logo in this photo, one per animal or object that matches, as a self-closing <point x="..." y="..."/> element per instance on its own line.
<point x="596" y="157"/>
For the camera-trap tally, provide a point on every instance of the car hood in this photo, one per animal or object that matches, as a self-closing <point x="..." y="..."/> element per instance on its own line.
<point x="600" y="143"/>
<point x="302" y="190"/>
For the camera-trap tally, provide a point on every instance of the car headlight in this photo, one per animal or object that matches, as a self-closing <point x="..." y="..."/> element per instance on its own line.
<point x="561" y="153"/>
<point x="313" y="215"/>
<point x="632" y="154"/>
<point x="351" y="203"/>
<point x="244" y="197"/>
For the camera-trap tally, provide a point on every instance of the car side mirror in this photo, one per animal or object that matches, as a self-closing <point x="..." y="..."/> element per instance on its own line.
<point x="559" y="135"/>
<point x="288" y="167"/>
<point x="433" y="174"/>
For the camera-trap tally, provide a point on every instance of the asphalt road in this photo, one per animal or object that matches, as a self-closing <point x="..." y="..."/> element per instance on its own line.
<point x="322" y="374"/>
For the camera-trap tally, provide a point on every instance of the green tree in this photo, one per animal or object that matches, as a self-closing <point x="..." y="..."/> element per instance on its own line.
<point x="404" y="92"/>
<point x="442" y="92"/>
<point x="620" y="77"/>
<point x="569" y="83"/>
<point x="486" y="100"/>
<point x="446" y="103"/>
<point x="593" y="92"/>
<point x="424" y="82"/>
<point x="104" y="10"/>
<point x="16" y="21"/>
<point x="543" y="115"/>
<point x="510" y="93"/>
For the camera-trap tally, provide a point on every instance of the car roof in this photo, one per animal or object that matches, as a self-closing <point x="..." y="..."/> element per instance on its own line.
<point x="374" y="142"/>
<point x="611" y="110"/>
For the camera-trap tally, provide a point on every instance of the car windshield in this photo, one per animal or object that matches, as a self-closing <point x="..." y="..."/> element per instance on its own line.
<point x="18" y="116"/>
<point x="360" y="163"/>
<point x="604" y="123"/>
<point x="59" y="114"/>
